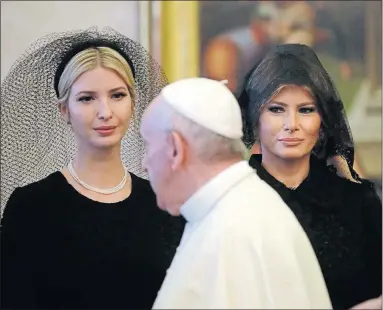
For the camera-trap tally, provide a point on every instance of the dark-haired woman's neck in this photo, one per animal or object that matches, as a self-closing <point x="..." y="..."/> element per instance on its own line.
<point x="290" y="172"/>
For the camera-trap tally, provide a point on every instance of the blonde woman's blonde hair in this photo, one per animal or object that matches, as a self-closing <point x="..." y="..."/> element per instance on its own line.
<point x="92" y="58"/>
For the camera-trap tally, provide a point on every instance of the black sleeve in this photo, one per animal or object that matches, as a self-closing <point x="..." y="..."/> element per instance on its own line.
<point x="17" y="266"/>
<point x="372" y="210"/>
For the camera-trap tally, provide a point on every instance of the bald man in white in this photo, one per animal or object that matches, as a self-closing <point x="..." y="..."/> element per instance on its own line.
<point x="242" y="246"/>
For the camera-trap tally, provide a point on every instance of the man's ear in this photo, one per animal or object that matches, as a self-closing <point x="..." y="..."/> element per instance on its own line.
<point x="179" y="150"/>
<point x="64" y="112"/>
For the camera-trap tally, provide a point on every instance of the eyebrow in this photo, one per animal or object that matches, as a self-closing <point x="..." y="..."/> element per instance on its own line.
<point x="299" y="105"/>
<point x="89" y="92"/>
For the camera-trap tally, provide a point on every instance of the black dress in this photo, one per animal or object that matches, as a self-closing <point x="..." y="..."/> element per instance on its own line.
<point x="343" y="221"/>
<point x="61" y="250"/>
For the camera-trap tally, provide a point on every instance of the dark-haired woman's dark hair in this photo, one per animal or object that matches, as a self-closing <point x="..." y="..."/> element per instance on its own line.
<point x="296" y="64"/>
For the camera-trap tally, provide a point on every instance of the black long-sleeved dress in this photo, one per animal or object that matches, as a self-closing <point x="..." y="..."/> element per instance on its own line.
<point x="343" y="221"/>
<point x="61" y="250"/>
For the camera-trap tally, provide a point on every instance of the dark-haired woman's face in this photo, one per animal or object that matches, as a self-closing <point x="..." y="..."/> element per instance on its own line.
<point x="289" y="124"/>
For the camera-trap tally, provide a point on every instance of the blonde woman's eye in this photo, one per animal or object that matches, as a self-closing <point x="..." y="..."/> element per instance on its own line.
<point x="119" y="95"/>
<point x="85" y="98"/>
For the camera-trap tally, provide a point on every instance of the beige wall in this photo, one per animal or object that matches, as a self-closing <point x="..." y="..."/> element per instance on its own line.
<point x="23" y="22"/>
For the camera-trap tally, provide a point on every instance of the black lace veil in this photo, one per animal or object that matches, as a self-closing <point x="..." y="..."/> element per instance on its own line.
<point x="298" y="64"/>
<point x="35" y="140"/>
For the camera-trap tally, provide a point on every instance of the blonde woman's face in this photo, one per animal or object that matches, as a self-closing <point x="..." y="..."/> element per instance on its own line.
<point x="289" y="124"/>
<point x="99" y="108"/>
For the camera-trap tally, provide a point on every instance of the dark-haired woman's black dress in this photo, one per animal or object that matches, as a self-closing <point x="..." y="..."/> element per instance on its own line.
<point x="61" y="250"/>
<point x="343" y="221"/>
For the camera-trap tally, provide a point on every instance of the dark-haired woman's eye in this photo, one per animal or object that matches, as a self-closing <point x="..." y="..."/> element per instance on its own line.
<point x="275" y="109"/>
<point x="307" y="110"/>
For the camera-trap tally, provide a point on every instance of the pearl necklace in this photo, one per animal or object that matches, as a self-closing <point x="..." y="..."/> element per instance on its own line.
<point x="107" y="191"/>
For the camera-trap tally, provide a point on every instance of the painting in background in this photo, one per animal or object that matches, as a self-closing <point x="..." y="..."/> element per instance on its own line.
<point x="346" y="35"/>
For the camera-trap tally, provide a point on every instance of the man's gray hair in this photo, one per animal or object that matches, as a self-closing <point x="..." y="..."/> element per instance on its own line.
<point x="206" y="144"/>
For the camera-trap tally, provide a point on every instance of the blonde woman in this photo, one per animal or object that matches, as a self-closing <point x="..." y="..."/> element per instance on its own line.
<point x="85" y="232"/>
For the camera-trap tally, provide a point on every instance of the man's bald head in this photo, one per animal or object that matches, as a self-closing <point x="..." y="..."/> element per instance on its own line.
<point x="158" y="115"/>
<point x="203" y="112"/>
<point x="190" y="127"/>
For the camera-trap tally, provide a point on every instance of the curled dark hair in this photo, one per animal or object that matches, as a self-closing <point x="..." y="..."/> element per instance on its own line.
<point x="296" y="64"/>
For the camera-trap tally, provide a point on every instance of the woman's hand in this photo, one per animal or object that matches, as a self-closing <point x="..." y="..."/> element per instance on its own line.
<point x="371" y="304"/>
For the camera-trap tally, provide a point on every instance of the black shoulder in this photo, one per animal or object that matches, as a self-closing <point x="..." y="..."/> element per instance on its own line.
<point x="140" y="183"/>
<point x="51" y="181"/>
<point x="364" y="197"/>
<point x="172" y="224"/>
<point x="371" y="204"/>
<point x="25" y="200"/>
<point x="141" y="188"/>
<point x="364" y="189"/>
